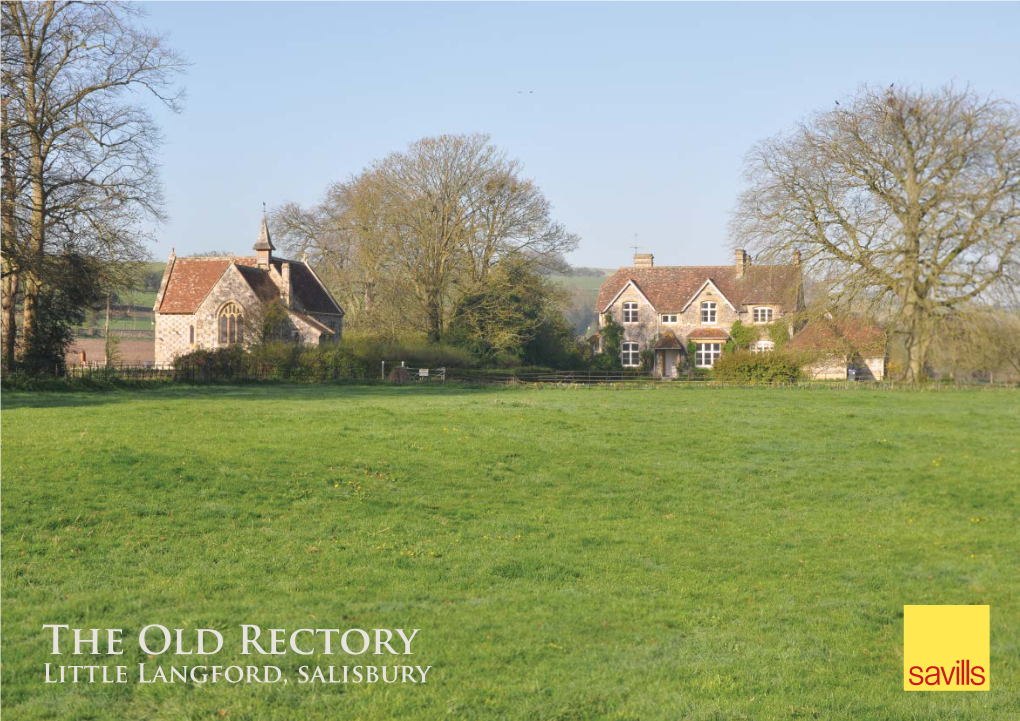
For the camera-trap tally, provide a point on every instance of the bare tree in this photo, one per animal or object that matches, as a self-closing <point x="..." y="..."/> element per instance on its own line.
<point x="85" y="148"/>
<point x="425" y="225"/>
<point x="906" y="201"/>
<point x="343" y="236"/>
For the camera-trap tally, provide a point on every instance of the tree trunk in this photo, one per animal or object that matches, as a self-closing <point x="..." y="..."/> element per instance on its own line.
<point x="917" y="344"/>
<point x="37" y="244"/>
<point x="369" y="296"/>
<point x="106" y="345"/>
<point x="434" y="320"/>
<point x="9" y="318"/>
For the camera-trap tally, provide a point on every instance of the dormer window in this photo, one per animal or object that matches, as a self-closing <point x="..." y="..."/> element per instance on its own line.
<point x="708" y="312"/>
<point x="630" y="313"/>
<point x="231" y="323"/>
<point x="762" y="315"/>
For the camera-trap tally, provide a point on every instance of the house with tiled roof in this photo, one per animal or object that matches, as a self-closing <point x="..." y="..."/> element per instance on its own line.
<point x="834" y="348"/>
<point x="218" y="301"/>
<point x="666" y="308"/>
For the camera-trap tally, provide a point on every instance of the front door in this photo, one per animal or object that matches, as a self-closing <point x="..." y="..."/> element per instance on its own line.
<point x="668" y="360"/>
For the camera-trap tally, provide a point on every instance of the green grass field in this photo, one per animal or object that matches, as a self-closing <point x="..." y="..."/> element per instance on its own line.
<point x="567" y="553"/>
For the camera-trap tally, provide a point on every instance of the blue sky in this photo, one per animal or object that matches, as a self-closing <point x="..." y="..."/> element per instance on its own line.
<point x="639" y="119"/>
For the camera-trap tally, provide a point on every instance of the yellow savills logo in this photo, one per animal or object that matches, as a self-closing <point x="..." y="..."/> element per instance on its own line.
<point x="945" y="648"/>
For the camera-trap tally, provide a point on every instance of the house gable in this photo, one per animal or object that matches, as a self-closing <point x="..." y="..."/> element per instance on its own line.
<point x="629" y="284"/>
<point x="708" y="286"/>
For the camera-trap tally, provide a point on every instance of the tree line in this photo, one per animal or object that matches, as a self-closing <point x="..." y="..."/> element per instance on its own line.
<point x="447" y="240"/>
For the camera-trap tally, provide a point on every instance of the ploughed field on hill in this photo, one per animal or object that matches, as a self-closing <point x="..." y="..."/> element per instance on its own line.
<point x="566" y="553"/>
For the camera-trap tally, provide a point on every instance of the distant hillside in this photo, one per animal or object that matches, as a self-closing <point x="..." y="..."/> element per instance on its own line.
<point x="583" y="286"/>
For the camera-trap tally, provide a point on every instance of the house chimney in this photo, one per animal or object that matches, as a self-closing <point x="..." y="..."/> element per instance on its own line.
<point x="741" y="262"/>
<point x="285" y="283"/>
<point x="796" y="257"/>
<point x="644" y="260"/>
<point x="264" y="247"/>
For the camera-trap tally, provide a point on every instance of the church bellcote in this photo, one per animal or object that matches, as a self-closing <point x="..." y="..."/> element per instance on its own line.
<point x="264" y="246"/>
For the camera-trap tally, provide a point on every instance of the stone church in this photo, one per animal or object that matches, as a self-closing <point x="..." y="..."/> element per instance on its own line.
<point x="217" y="301"/>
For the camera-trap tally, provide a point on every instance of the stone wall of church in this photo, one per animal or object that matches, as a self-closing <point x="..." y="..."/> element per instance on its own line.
<point x="336" y="322"/>
<point x="174" y="332"/>
<point x="230" y="288"/>
<point x="172" y="336"/>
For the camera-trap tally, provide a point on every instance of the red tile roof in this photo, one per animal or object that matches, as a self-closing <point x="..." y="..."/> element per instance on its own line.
<point x="845" y="335"/>
<point x="191" y="280"/>
<point x="670" y="288"/>
<point x="668" y="341"/>
<point x="708" y="334"/>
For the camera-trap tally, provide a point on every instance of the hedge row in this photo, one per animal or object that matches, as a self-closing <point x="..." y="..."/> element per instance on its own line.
<point x="746" y="367"/>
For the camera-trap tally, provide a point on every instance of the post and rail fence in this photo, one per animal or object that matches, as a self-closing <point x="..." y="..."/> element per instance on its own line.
<point x="401" y="373"/>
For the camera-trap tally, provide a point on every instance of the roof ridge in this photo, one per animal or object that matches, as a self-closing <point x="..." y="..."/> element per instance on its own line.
<point x="206" y="257"/>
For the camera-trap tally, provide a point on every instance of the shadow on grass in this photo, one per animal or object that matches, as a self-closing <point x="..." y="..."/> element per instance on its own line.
<point x="12" y="400"/>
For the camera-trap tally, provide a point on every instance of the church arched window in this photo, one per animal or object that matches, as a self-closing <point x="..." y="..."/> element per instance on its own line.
<point x="231" y="324"/>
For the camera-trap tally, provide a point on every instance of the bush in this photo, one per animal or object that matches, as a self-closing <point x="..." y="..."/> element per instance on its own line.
<point x="412" y="351"/>
<point x="217" y="364"/>
<point x="357" y="359"/>
<point x="612" y="343"/>
<point x="779" y="333"/>
<point x="741" y="337"/>
<point x="746" y="367"/>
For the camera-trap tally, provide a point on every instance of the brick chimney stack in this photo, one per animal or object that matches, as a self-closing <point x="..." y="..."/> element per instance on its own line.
<point x="741" y="262"/>
<point x="796" y="257"/>
<point x="644" y="260"/>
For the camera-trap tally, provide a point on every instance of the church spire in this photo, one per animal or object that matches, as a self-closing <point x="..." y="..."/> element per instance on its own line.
<point x="264" y="242"/>
<point x="264" y="245"/>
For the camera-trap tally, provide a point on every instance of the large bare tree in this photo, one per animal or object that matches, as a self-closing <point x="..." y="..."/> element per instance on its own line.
<point x="424" y="225"/>
<point x="905" y="200"/>
<point x="82" y="171"/>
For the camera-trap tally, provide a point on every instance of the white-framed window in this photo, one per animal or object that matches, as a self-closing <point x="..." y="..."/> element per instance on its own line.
<point x="669" y="317"/>
<point x="708" y="312"/>
<point x="763" y="346"/>
<point x="630" y="356"/>
<point x="762" y="315"/>
<point x="706" y="354"/>
<point x="630" y="313"/>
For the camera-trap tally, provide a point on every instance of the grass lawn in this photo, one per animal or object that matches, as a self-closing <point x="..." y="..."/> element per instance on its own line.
<point x="566" y="553"/>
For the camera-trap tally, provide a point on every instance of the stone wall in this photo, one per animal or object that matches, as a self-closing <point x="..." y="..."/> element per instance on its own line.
<point x="872" y="369"/>
<point x="827" y="369"/>
<point x="172" y="337"/>
<point x="173" y="332"/>
<point x="835" y="368"/>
